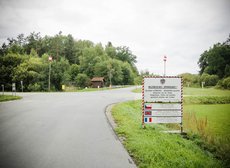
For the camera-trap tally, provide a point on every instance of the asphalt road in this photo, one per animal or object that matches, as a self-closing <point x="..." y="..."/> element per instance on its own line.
<point x="61" y="130"/>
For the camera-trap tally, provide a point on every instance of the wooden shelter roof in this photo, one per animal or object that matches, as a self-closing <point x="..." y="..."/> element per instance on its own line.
<point x="97" y="79"/>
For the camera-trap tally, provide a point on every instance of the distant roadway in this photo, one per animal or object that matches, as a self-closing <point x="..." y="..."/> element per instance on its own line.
<point x="62" y="130"/>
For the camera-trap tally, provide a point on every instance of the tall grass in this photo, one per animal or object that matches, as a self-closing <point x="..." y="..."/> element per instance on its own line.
<point x="199" y="130"/>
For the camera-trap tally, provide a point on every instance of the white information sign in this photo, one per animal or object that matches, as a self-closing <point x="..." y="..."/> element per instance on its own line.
<point x="162" y="100"/>
<point x="162" y="89"/>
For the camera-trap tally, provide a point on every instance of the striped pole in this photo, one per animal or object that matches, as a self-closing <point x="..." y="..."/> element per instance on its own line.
<point x="165" y="59"/>
<point x="143" y="82"/>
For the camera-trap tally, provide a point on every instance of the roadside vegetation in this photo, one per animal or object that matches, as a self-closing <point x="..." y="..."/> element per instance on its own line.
<point x="8" y="98"/>
<point x="152" y="148"/>
<point x="206" y="122"/>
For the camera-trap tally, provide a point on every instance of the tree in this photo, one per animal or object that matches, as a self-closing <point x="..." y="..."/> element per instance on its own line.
<point x="88" y="60"/>
<point x="124" y="54"/>
<point x="210" y="80"/>
<point x="69" y="50"/>
<point x="110" y="50"/>
<point x="31" y="73"/>
<point x="58" y="76"/>
<point x="216" y="60"/>
<point x="74" y="71"/>
<point x="110" y="69"/>
<point x="7" y="65"/>
<point x="33" y="41"/>
<point x="128" y="75"/>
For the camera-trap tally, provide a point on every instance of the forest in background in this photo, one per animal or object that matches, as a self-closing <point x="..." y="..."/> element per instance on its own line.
<point x="74" y="62"/>
<point x="214" y="66"/>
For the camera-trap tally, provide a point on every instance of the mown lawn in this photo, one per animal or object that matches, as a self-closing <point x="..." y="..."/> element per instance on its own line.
<point x="152" y="148"/>
<point x="8" y="98"/>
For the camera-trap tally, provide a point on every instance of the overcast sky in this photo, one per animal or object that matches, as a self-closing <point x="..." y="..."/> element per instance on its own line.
<point x="179" y="29"/>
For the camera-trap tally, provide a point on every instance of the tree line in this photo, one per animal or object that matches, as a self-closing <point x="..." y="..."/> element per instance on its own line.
<point x="214" y="66"/>
<point x="75" y="62"/>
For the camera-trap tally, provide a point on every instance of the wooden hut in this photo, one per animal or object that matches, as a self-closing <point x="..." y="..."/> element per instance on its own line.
<point x="97" y="82"/>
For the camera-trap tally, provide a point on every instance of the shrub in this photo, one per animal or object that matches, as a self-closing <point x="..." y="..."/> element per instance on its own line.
<point x="82" y="80"/>
<point x="34" y="87"/>
<point x="226" y="83"/>
<point x="210" y="80"/>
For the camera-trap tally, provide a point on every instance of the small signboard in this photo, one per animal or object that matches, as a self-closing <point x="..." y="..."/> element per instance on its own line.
<point x="162" y="100"/>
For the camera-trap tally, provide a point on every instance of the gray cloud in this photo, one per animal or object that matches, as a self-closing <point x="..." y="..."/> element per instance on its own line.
<point x="180" y="29"/>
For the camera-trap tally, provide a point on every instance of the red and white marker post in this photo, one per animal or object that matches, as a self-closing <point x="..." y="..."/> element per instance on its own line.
<point x="165" y="59"/>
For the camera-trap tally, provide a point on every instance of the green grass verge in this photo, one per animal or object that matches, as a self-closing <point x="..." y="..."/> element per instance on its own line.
<point x="152" y="148"/>
<point x="8" y="98"/>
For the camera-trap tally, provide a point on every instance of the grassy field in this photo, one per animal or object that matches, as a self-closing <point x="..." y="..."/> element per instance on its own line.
<point x="151" y="148"/>
<point x="8" y="98"/>
<point x="205" y="92"/>
<point x="206" y="120"/>
<point x="218" y="116"/>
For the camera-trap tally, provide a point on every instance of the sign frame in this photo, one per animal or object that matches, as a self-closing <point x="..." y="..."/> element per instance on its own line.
<point x="161" y="96"/>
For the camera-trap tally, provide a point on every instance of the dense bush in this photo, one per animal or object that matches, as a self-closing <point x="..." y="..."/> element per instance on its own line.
<point x="82" y="80"/>
<point x="224" y="83"/>
<point x="190" y="80"/>
<point x="34" y="87"/>
<point x="210" y="80"/>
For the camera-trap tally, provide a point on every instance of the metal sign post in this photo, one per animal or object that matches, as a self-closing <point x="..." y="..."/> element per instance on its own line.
<point x="14" y="89"/>
<point x="2" y="89"/>
<point x="162" y="100"/>
<point x="50" y="60"/>
<point x="165" y="59"/>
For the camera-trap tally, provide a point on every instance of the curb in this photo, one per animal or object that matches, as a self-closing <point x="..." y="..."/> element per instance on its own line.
<point x="113" y="125"/>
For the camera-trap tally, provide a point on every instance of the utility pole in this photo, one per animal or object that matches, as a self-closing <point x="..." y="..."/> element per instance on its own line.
<point x="110" y="75"/>
<point x="50" y="60"/>
<point x="165" y="59"/>
<point x="2" y="89"/>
